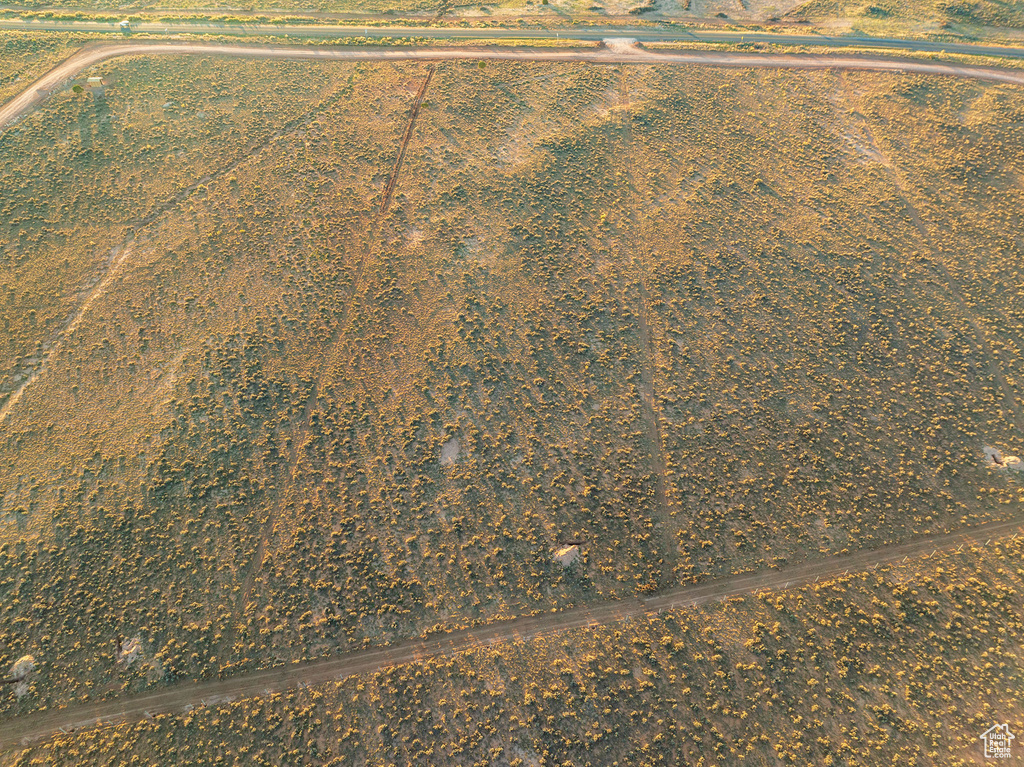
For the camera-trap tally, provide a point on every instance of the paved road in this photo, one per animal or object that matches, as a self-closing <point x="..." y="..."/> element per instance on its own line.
<point x="619" y="53"/>
<point x="31" y="728"/>
<point x="671" y="33"/>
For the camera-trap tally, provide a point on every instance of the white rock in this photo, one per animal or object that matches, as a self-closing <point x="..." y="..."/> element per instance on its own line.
<point x="130" y="651"/>
<point x="995" y="459"/>
<point x="566" y="555"/>
<point x="22" y="667"/>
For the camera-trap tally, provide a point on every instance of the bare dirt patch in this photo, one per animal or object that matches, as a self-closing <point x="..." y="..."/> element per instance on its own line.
<point x="449" y="452"/>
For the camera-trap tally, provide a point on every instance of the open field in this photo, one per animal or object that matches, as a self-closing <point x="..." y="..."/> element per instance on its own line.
<point x="891" y="15"/>
<point x="885" y="16"/>
<point x="181" y="698"/>
<point x="26" y="56"/>
<point x="905" y="663"/>
<point x="706" y="321"/>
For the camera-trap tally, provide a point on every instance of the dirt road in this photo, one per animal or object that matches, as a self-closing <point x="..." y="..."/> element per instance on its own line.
<point x="553" y="25"/>
<point x="32" y="728"/>
<point x="93" y="54"/>
<point x="616" y="51"/>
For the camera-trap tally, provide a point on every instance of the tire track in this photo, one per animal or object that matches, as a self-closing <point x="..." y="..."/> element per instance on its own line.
<point x="299" y="441"/>
<point x="26" y="730"/>
<point x="29" y="728"/>
<point x="120" y="253"/>
<point x="652" y="417"/>
<point x="953" y="289"/>
<point x="413" y="114"/>
<point x="51" y="82"/>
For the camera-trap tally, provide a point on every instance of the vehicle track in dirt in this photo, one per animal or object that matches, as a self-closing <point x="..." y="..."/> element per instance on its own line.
<point x="111" y="267"/>
<point x="34" y="727"/>
<point x="92" y="54"/>
<point x="31" y="728"/>
<point x="295" y="457"/>
<point x="648" y="359"/>
<point x="619" y="52"/>
<point x="389" y="189"/>
<point x="938" y="266"/>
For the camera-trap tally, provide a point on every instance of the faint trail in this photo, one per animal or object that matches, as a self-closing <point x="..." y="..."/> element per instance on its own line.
<point x="295" y="459"/>
<point x="118" y="256"/>
<point x="12" y="400"/>
<point x="413" y="114"/>
<point x="121" y="252"/>
<point x="25" y="730"/>
<point x="652" y="420"/>
<point x="953" y="288"/>
<point x="45" y="724"/>
<point x="51" y="82"/>
<point x="299" y="441"/>
<point x="956" y="292"/>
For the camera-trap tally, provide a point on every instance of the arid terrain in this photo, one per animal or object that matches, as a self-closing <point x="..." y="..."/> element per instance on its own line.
<point x="968" y="18"/>
<point x="300" y="358"/>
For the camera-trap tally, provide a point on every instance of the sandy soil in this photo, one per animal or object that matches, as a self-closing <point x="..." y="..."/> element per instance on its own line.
<point x="36" y="726"/>
<point x="622" y="53"/>
<point x="31" y="728"/>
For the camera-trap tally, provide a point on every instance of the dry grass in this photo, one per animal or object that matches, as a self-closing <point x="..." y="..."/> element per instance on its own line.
<point x="899" y="16"/>
<point x="832" y="335"/>
<point x="24" y="56"/>
<point x="902" y="664"/>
